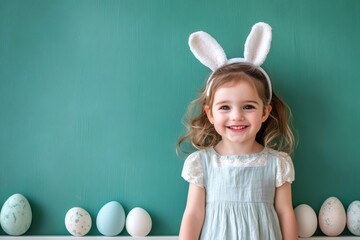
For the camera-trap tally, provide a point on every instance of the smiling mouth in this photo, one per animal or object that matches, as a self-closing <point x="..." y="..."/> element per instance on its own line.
<point x="237" y="127"/>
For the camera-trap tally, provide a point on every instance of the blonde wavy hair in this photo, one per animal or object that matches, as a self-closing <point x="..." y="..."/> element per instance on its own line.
<point x="275" y="133"/>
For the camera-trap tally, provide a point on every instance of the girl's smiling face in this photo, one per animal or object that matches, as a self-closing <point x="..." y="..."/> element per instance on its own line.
<point x="237" y="113"/>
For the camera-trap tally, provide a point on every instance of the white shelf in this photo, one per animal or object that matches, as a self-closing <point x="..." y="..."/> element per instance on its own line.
<point x="333" y="238"/>
<point x="86" y="237"/>
<point x="142" y="238"/>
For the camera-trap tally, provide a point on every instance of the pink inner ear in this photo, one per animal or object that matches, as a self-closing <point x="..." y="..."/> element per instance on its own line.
<point x="207" y="50"/>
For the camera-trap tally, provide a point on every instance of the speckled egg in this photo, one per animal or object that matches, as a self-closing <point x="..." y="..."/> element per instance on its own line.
<point x="16" y="215"/>
<point x="306" y="220"/>
<point x="78" y="221"/>
<point x="353" y="218"/>
<point x="332" y="217"/>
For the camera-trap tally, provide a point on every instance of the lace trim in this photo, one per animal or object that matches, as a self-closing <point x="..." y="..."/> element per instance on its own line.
<point x="193" y="172"/>
<point x="247" y="160"/>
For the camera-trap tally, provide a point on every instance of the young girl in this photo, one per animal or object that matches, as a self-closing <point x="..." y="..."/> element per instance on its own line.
<point x="240" y="177"/>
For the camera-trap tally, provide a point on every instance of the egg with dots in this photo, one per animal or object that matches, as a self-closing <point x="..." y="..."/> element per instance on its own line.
<point x="353" y="218"/>
<point x="306" y="220"/>
<point x="332" y="217"/>
<point x="110" y="220"/>
<point x="16" y="215"/>
<point x="78" y="221"/>
<point x="138" y="222"/>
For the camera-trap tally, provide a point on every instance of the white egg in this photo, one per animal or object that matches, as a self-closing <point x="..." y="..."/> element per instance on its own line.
<point x="306" y="220"/>
<point x="353" y="218"/>
<point x="138" y="222"/>
<point x="332" y="217"/>
<point x="78" y="221"/>
<point x="110" y="220"/>
<point x="16" y="215"/>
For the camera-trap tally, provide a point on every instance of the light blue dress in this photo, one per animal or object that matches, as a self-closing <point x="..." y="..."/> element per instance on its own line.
<point x="240" y="192"/>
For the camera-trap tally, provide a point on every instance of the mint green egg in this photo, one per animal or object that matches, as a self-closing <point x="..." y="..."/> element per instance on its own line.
<point x="16" y="215"/>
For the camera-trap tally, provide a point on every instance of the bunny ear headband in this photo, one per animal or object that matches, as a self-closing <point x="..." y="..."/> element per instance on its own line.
<point x="209" y="52"/>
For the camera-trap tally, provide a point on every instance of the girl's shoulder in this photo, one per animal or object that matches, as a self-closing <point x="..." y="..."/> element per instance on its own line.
<point x="285" y="171"/>
<point x="278" y="155"/>
<point x="193" y="169"/>
<point x="199" y="155"/>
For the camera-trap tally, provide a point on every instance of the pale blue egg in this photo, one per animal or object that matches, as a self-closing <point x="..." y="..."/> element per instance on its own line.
<point x="16" y="215"/>
<point x="110" y="220"/>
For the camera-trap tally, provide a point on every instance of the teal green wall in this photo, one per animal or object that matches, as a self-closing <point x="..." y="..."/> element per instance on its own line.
<point x="92" y="95"/>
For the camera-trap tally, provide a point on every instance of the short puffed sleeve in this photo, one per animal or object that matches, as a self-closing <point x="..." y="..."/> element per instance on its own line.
<point x="285" y="169"/>
<point x="192" y="170"/>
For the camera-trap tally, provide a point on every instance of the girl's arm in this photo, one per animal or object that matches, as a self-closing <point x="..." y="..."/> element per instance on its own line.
<point x="194" y="214"/>
<point x="284" y="209"/>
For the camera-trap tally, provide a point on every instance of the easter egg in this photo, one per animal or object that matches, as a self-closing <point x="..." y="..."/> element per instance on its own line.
<point x="332" y="217"/>
<point x="78" y="221"/>
<point x="138" y="222"/>
<point x="110" y="220"/>
<point x="16" y="215"/>
<point x="353" y="218"/>
<point x="306" y="220"/>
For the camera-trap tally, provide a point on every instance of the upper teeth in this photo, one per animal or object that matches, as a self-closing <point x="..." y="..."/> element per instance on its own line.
<point x="237" y="127"/>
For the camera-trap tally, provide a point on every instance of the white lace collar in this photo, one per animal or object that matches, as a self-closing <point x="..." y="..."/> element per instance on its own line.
<point x="244" y="160"/>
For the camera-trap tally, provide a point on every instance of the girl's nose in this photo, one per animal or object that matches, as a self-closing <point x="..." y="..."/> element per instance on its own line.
<point x="237" y="115"/>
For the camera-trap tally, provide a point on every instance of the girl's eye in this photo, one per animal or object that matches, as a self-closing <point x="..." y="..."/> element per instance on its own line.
<point x="248" y="107"/>
<point x="224" y="107"/>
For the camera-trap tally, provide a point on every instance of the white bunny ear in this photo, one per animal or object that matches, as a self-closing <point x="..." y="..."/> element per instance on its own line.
<point x="207" y="50"/>
<point x="257" y="44"/>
